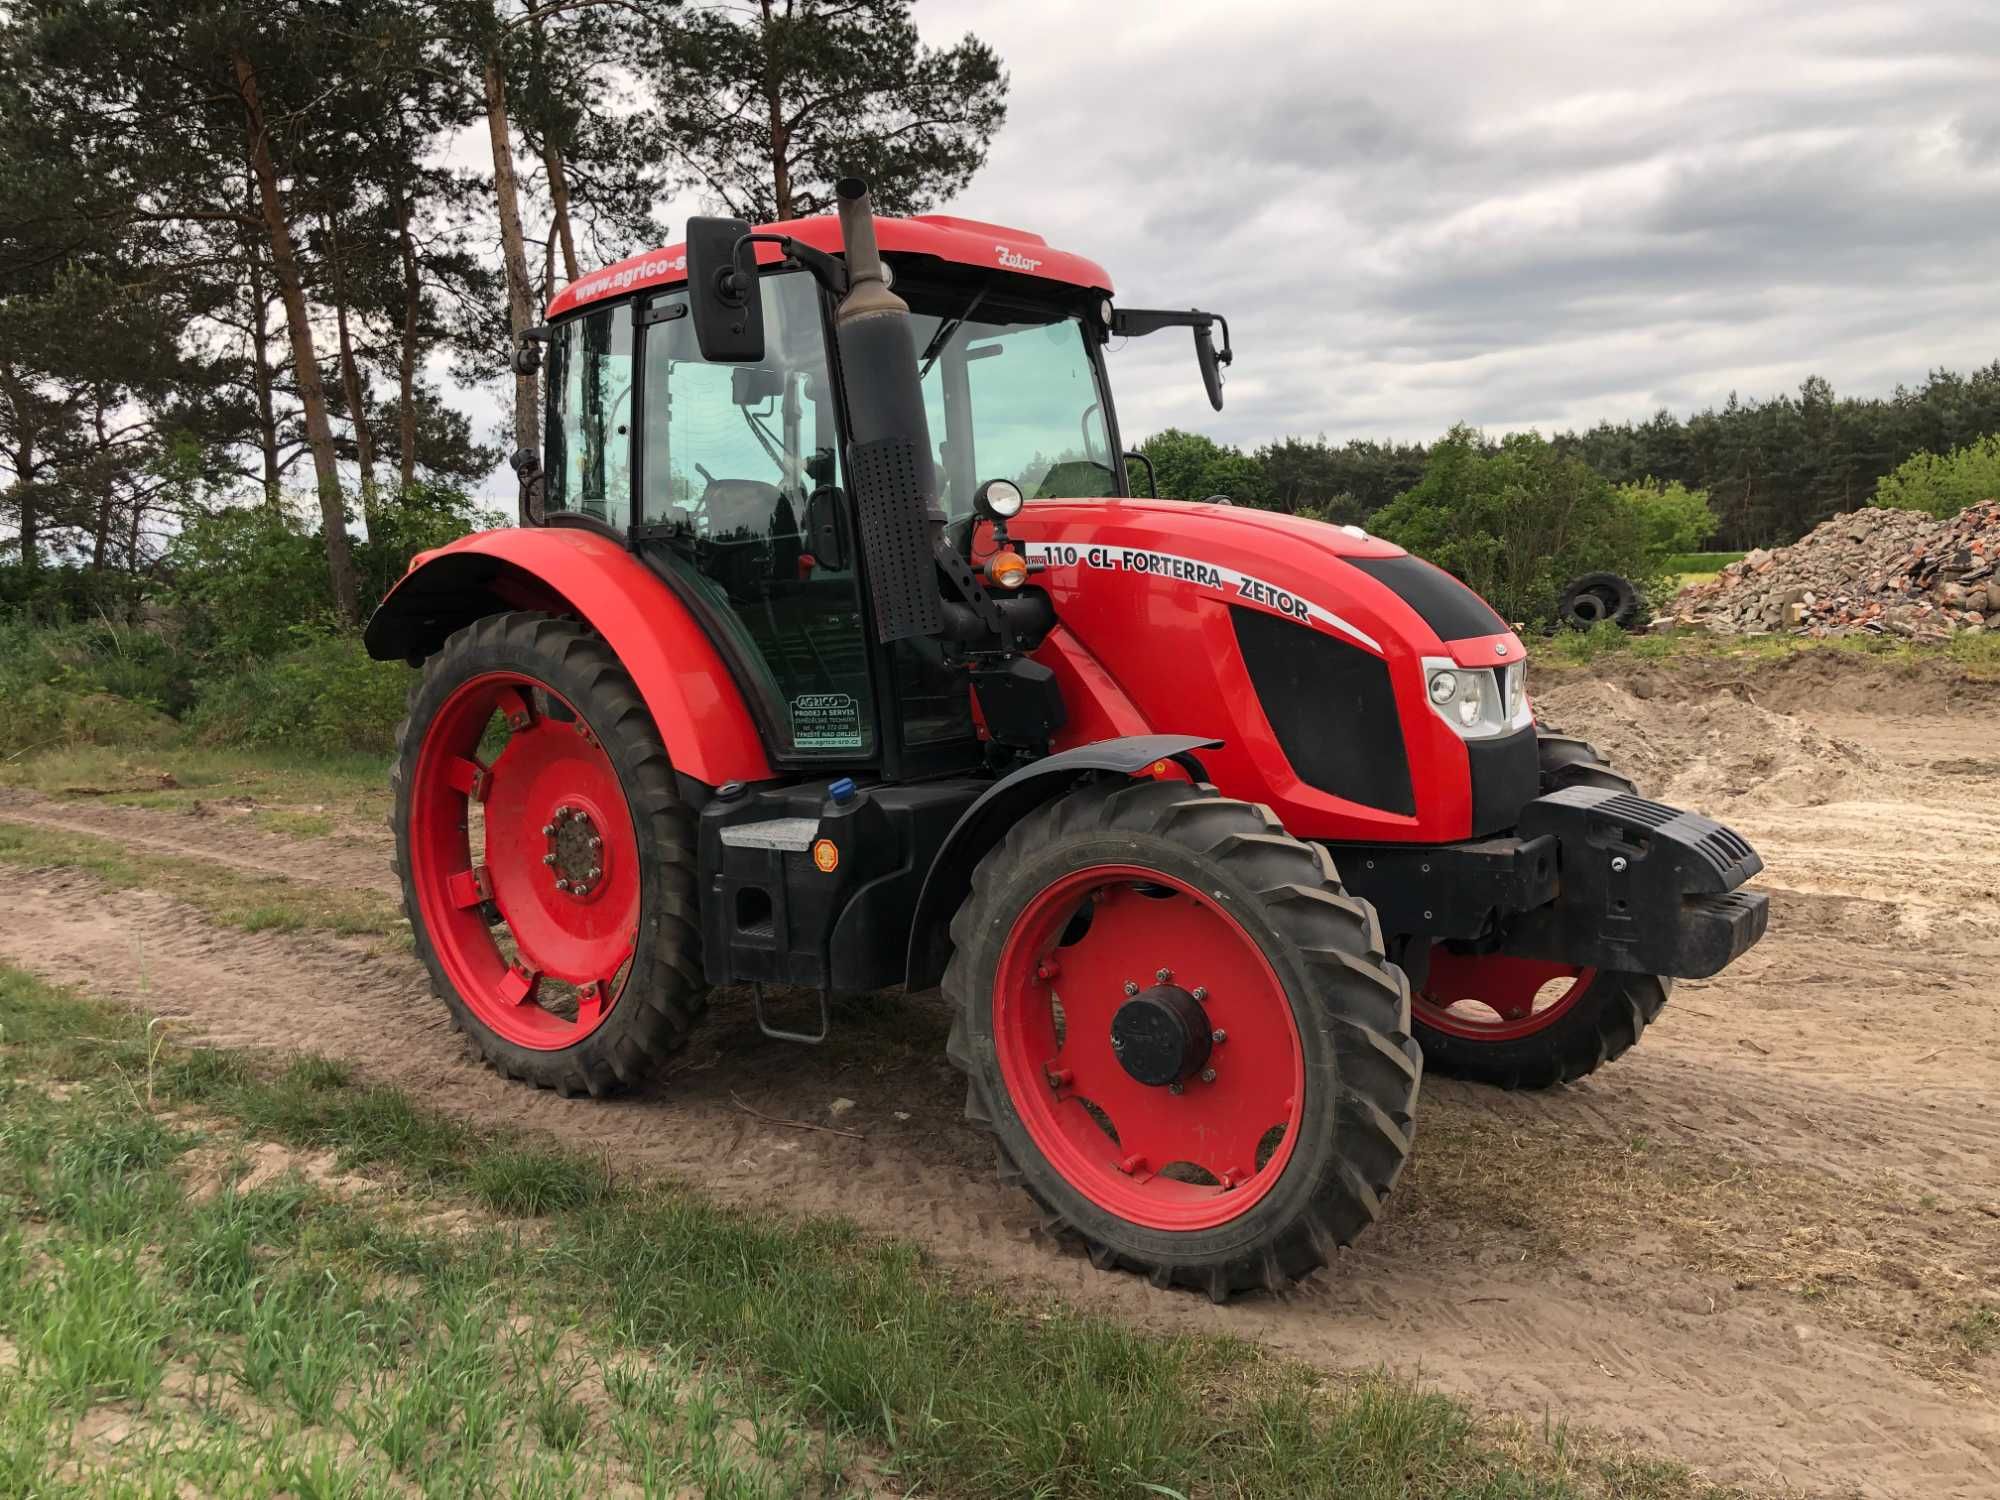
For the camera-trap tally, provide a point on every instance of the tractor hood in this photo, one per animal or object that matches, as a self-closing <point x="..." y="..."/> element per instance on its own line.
<point x="1335" y="578"/>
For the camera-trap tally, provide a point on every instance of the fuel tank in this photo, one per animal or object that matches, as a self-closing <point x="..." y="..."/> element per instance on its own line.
<point x="1307" y="648"/>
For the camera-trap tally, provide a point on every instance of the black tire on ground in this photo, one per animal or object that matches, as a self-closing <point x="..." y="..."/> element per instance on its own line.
<point x="1351" y="1007"/>
<point x="664" y="991"/>
<point x="1567" y="761"/>
<point x="1595" y="597"/>
<point x="1601" y="1024"/>
<point x="1604" y="1022"/>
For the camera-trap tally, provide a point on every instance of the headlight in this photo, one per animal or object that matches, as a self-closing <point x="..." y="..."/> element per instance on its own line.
<point x="999" y="498"/>
<point x="1477" y="702"/>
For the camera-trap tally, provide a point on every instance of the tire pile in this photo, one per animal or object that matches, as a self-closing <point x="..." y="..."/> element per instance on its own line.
<point x="1884" y="572"/>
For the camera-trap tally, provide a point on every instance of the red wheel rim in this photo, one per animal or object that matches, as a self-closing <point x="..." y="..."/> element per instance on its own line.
<point x="1185" y="1161"/>
<point x="1491" y="997"/>
<point x="548" y="794"/>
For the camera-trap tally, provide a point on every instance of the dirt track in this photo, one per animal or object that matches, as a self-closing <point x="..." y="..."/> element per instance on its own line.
<point x="1744" y="1245"/>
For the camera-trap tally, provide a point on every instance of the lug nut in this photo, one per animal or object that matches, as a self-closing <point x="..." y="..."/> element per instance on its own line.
<point x="562" y="885"/>
<point x="1164" y="975"/>
<point x="1200" y="993"/>
<point x="595" y="844"/>
<point x="594" y="873"/>
<point x="548" y="830"/>
<point x="548" y="859"/>
<point x="1208" y="1075"/>
<point x="1131" y="986"/>
<point x="1175" y="1088"/>
<point x="1218" y="1035"/>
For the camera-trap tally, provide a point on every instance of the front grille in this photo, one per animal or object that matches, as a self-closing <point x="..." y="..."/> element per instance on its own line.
<point x="1332" y="707"/>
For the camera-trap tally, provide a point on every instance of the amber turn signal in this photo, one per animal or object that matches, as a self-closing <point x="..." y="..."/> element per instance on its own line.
<point x="1006" y="569"/>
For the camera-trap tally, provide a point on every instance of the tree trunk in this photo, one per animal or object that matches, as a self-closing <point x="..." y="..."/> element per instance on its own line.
<point x="350" y="382"/>
<point x="527" y="419"/>
<point x="781" y="172"/>
<point x="319" y="430"/>
<point x="100" y="540"/>
<point x="260" y="368"/>
<point x="559" y="196"/>
<point x="406" y="370"/>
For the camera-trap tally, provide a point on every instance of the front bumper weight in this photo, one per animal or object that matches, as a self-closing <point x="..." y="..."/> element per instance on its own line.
<point x="1642" y="887"/>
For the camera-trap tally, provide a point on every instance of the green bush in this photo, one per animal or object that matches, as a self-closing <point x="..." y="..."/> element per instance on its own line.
<point x="1943" y="486"/>
<point x="323" y="695"/>
<point x="92" y="683"/>
<point x="1517" y="524"/>
<point x="1676" y="519"/>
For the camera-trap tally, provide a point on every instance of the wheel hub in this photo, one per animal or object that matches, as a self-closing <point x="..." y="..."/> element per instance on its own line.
<point x="1161" y="1036"/>
<point x="576" y="854"/>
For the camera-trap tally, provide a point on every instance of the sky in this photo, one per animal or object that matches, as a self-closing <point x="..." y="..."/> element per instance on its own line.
<point x="1510" y="214"/>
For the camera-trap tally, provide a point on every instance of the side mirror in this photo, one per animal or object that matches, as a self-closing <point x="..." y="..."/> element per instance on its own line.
<point x="1211" y="364"/>
<point x="723" y="296"/>
<point x="826" y="528"/>
<point x="528" y="349"/>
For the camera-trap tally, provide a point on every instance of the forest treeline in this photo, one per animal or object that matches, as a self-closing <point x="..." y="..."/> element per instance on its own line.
<point x="1772" y="468"/>
<point x="246" y="244"/>
<point x="243" y="243"/>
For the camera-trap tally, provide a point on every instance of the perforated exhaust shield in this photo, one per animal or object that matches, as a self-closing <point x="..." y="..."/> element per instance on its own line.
<point x="895" y="537"/>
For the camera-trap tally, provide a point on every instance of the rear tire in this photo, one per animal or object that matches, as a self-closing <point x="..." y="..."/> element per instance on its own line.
<point x="1574" y="1033"/>
<point x="594" y="985"/>
<point x="1315" y="1079"/>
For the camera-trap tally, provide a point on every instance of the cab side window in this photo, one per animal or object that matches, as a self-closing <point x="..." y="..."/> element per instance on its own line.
<point x="589" y="467"/>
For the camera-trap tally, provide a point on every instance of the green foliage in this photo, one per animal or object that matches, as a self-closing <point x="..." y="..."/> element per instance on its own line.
<point x="95" y="683"/>
<point x="1943" y="486"/>
<point x="1676" y="519"/>
<point x="1516" y="524"/>
<point x="1190" y="466"/>
<point x="324" y="694"/>
<point x="246" y="580"/>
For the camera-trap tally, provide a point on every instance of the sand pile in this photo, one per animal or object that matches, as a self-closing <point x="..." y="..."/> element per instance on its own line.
<point x="1705" y="752"/>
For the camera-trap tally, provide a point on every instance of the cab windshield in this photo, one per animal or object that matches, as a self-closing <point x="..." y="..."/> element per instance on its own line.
<point x="1010" y="392"/>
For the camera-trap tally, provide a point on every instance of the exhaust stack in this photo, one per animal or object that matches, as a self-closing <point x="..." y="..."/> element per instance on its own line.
<point x="895" y="479"/>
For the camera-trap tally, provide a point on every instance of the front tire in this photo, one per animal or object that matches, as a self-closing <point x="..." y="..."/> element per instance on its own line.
<point x="547" y="861"/>
<point x="1183" y="1035"/>
<point x="1524" y="1023"/>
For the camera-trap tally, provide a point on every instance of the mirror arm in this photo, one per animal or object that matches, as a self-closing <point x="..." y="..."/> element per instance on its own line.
<point x="828" y="271"/>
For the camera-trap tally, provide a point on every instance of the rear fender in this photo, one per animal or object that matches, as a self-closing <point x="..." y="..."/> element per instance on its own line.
<point x="694" y="700"/>
<point x="1005" y="803"/>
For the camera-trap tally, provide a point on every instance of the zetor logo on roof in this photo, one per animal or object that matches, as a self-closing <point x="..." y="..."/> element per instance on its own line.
<point x="1014" y="260"/>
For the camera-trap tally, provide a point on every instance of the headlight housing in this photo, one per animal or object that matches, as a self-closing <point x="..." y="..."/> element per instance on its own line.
<point x="1478" y="703"/>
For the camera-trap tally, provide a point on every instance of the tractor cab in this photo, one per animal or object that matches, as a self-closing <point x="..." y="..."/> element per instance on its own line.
<point x="729" y="478"/>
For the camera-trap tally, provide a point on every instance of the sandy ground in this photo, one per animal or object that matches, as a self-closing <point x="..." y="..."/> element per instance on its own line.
<point x="1800" y="1182"/>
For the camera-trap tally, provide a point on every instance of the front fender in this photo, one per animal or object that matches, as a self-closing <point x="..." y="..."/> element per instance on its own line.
<point x="1003" y="804"/>
<point x="694" y="700"/>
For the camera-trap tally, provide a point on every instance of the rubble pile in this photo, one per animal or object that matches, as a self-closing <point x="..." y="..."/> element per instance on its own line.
<point x="1890" y="572"/>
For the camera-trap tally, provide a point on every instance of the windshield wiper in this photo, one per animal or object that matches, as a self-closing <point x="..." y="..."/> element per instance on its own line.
<point x="946" y="329"/>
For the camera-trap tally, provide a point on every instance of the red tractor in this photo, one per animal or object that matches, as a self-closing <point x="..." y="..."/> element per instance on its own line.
<point x="836" y="651"/>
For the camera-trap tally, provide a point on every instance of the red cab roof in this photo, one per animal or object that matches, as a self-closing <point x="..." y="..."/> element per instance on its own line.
<point x="963" y="241"/>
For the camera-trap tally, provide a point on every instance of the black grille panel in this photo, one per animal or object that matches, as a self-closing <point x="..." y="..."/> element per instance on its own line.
<point x="1506" y="773"/>
<point x="1332" y="708"/>
<point x="1440" y="600"/>
<point x="895" y="538"/>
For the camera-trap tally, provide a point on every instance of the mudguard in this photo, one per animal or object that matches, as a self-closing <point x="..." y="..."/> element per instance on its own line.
<point x="694" y="700"/>
<point x="984" y="823"/>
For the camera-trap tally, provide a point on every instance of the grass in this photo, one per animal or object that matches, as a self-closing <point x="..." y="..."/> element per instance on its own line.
<point x="251" y="903"/>
<point x="307" y="790"/>
<point x="419" y="1330"/>
<point x="1977" y="655"/>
